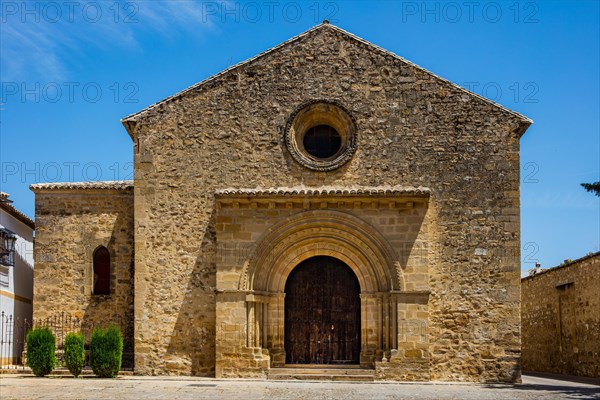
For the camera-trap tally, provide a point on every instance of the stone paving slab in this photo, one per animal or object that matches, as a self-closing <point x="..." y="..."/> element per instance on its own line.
<point x="140" y="388"/>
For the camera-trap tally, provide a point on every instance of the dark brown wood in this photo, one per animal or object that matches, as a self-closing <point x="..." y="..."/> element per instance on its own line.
<point x="322" y="313"/>
<point x="101" y="271"/>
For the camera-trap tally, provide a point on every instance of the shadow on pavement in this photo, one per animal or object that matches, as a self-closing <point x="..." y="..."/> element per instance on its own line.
<point x="566" y="391"/>
<point x="568" y="378"/>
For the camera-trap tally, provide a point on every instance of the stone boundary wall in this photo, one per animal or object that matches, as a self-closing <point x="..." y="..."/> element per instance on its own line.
<point x="561" y="319"/>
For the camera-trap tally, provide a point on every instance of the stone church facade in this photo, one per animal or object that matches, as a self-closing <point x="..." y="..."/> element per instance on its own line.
<point x="325" y="202"/>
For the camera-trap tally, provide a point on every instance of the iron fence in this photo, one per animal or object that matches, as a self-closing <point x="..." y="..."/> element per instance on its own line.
<point x="13" y="331"/>
<point x="13" y="334"/>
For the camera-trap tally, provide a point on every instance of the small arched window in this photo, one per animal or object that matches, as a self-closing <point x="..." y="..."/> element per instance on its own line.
<point x="101" y="271"/>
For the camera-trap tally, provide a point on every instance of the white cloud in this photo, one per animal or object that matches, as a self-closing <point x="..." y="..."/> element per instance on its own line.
<point x="40" y="43"/>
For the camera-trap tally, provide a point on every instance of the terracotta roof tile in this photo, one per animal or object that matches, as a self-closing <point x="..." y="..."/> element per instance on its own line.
<point x="327" y="191"/>
<point x="103" y="185"/>
<point x="9" y="208"/>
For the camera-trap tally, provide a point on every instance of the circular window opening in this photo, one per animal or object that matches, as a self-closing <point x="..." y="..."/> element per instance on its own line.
<point x="322" y="141"/>
<point x="321" y="135"/>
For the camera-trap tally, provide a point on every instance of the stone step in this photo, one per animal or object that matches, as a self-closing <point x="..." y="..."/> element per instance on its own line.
<point x="338" y="378"/>
<point x="323" y="373"/>
<point x="317" y="371"/>
<point x="323" y="366"/>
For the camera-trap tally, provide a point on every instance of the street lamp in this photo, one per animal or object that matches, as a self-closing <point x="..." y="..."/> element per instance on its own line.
<point x="7" y="247"/>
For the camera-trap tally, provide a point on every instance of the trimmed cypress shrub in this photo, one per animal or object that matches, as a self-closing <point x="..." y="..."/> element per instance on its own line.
<point x="74" y="353"/>
<point x="41" y="357"/>
<point x="106" y="351"/>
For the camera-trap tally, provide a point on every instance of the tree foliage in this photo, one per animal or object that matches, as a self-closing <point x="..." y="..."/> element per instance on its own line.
<point x="106" y="351"/>
<point x="592" y="187"/>
<point x="74" y="353"/>
<point x="41" y="357"/>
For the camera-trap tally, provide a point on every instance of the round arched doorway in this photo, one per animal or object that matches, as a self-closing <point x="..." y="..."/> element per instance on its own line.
<point x="322" y="313"/>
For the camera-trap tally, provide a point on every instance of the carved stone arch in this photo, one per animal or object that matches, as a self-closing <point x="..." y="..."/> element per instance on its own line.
<point x="322" y="232"/>
<point x="326" y="247"/>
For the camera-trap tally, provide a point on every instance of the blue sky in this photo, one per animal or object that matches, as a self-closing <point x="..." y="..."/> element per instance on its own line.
<point x="71" y="70"/>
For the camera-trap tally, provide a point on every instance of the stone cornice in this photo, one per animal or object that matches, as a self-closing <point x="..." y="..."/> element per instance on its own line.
<point x="327" y="191"/>
<point x="322" y="197"/>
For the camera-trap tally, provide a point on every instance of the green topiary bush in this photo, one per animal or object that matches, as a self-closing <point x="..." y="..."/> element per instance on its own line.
<point x="74" y="353"/>
<point x="41" y="357"/>
<point x="106" y="351"/>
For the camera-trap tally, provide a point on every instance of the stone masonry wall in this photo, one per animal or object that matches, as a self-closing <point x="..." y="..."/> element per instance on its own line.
<point x="560" y="316"/>
<point x="70" y="225"/>
<point x="316" y="226"/>
<point x="412" y="129"/>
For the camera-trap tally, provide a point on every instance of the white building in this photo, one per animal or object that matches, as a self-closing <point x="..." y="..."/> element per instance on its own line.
<point x="16" y="279"/>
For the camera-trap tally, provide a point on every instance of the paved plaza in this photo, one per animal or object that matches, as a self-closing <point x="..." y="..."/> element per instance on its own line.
<point x="138" y="388"/>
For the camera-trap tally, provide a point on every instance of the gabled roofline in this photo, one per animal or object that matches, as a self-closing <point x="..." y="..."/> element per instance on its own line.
<point x="131" y="118"/>
<point x="523" y="118"/>
<point x="129" y="121"/>
<point x="18" y="215"/>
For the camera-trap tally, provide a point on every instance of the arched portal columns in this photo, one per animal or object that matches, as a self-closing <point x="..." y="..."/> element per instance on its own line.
<point x="260" y="244"/>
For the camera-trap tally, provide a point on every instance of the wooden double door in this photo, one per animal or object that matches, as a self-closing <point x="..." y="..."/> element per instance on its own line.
<point x="322" y="313"/>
